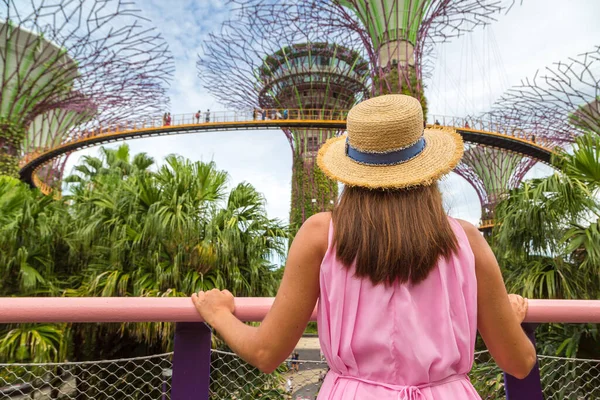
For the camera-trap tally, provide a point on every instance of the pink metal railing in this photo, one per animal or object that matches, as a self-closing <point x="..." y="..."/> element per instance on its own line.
<point x="180" y="309"/>
<point x="192" y="351"/>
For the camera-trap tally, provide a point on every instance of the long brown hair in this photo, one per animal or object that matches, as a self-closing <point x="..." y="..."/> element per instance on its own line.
<point x="393" y="235"/>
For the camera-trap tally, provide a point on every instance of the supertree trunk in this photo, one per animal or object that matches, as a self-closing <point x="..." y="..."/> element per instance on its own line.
<point x="11" y="137"/>
<point x="312" y="190"/>
<point x="395" y="32"/>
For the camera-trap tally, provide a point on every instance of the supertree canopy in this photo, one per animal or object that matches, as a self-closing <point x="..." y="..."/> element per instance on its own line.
<point x="289" y="72"/>
<point x="559" y="102"/>
<point x="312" y="75"/>
<point x="400" y="34"/>
<point x="397" y="35"/>
<point x="72" y="63"/>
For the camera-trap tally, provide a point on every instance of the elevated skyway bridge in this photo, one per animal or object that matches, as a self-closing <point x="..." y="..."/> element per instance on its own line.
<point x="476" y="131"/>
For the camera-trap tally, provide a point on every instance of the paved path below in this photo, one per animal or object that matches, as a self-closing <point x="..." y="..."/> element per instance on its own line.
<point x="308" y="343"/>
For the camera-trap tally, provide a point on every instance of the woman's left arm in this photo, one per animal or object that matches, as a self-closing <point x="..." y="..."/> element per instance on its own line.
<point x="267" y="346"/>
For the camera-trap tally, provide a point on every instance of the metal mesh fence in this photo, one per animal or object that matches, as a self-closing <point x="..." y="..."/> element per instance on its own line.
<point x="562" y="378"/>
<point x="487" y="377"/>
<point x="572" y="379"/>
<point x="232" y="378"/>
<point x="133" y="378"/>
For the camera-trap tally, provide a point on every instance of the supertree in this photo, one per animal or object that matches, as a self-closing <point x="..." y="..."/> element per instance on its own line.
<point x="552" y="108"/>
<point x="398" y="35"/>
<point x="492" y="173"/>
<point x="558" y="103"/>
<point x="72" y="63"/>
<point x="301" y="71"/>
<point x="49" y="130"/>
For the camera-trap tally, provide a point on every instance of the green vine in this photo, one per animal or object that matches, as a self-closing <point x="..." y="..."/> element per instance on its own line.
<point x="11" y="137"/>
<point x="391" y="83"/>
<point x="308" y="183"/>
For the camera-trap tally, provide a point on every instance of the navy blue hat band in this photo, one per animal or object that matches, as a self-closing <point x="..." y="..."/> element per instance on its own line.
<point x="390" y="158"/>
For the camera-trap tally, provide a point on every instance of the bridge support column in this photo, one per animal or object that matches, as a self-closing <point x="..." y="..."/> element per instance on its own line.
<point x="529" y="388"/>
<point x="191" y="361"/>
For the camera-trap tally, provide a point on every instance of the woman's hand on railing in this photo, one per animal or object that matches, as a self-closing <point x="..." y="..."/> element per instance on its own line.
<point x="213" y="303"/>
<point x="519" y="306"/>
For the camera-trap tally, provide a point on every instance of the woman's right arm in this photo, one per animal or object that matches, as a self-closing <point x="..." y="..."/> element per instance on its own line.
<point x="498" y="324"/>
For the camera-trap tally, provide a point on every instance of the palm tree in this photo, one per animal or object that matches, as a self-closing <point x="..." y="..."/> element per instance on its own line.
<point x="125" y="230"/>
<point x="30" y="239"/>
<point x="247" y="239"/>
<point x="31" y="263"/>
<point x="548" y="241"/>
<point x="169" y="233"/>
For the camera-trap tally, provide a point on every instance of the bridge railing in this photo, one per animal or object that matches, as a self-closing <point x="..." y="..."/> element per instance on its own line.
<point x="489" y="125"/>
<point x="194" y="370"/>
<point x="486" y="223"/>
<point x="267" y="117"/>
<point x="258" y="116"/>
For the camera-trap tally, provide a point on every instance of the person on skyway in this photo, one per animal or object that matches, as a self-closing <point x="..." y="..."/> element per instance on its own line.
<point x="402" y="288"/>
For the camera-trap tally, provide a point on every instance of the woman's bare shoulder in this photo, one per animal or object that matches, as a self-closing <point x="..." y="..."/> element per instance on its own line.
<point x="319" y="220"/>
<point x="315" y="230"/>
<point x="468" y="227"/>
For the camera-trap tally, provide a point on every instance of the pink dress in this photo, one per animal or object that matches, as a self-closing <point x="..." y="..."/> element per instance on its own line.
<point x="402" y="342"/>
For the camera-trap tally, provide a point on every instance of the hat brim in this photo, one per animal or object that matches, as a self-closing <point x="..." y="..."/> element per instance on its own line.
<point x="443" y="151"/>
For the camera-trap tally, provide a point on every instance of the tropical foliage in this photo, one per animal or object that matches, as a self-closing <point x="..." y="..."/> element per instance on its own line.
<point x="547" y="241"/>
<point x="123" y="229"/>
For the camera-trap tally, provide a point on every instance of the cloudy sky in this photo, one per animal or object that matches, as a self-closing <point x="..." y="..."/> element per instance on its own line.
<point x="470" y="73"/>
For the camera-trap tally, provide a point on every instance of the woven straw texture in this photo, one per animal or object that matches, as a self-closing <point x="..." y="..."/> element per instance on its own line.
<point x="384" y="124"/>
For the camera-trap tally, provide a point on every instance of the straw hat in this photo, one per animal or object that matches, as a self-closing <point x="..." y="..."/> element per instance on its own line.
<point x="387" y="147"/>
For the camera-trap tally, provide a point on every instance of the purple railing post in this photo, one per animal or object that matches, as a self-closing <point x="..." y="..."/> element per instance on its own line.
<point x="529" y="388"/>
<point x="191" y="361"/>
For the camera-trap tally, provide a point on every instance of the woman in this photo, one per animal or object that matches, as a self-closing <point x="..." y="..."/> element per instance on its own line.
<point x="402" y="287"/>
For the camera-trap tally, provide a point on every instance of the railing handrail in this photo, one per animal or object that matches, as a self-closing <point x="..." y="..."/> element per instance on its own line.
<point x="180" y="309"/>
